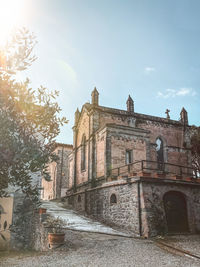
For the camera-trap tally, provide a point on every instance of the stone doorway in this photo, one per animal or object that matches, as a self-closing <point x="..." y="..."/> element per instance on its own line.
<point x="176" y="212"/>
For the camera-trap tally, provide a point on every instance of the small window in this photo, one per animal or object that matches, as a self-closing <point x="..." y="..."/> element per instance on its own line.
<point x="128" y="156"/>
<point x="79" y="198"/>
<point x="113" y="199"/>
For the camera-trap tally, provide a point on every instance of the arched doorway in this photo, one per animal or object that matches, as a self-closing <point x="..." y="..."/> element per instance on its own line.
<point x="176" y="211"/>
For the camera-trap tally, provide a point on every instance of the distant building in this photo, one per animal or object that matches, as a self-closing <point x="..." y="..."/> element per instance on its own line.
<point x="134" y="170"/>
<point x="57" y="187"/>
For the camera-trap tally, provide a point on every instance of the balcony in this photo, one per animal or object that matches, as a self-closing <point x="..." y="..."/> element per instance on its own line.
<point x="154" y="169"/>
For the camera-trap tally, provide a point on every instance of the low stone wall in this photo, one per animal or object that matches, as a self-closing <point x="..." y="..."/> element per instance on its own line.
<point x="40" y="233"/>
<point x="97" y="202"/>
<point x="28" y="230"/>
<point x="23" y="221"/>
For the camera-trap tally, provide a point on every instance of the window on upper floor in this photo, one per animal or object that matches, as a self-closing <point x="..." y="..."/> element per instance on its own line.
<point x="160" y="153"/>
<point x="129" y="157"/>
<point x="159" y="149"/>
<point x="83" y="153"/>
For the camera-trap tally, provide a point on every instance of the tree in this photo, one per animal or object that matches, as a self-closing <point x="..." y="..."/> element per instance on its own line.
<point x="29" y="120"/>
<point x="195" y="149"/>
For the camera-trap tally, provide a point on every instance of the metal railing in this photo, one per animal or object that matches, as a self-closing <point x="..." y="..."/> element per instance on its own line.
<point x="154" y="166"/>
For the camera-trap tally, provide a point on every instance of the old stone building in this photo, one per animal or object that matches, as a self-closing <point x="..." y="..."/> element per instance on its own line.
<point x="57" y="187"/>
<point x="134" y="170"/>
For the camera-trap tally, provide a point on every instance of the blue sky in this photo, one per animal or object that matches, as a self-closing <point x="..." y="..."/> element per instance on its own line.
<point x="149" y="49"/>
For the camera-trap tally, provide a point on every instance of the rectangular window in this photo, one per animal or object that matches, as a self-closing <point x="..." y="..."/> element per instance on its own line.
<point x="128" y="156"/>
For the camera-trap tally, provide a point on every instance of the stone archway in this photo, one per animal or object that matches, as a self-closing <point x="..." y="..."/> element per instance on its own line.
<point x="176" y="212"/>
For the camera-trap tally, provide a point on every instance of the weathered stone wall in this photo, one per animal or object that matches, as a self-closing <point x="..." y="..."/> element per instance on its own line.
<point x="143" y="215"/>
<point x="121" y="119"/>
<point x="39" y="238"/>
<point x="27" y="228"/>
<point x="22" y="222"/>
<point x="104" y="156"/>
<point x="121" y="143"/>
<point x="96" y="202"/>
<point x="82" y="175"/>
<point x="153" y="213"/>
<point x="71" y="169"/>
<point x="173" y="138"/>
<point x="100" y="153"/>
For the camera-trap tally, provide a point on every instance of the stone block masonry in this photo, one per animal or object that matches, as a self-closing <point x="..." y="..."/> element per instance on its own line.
<point x="98" y="203"/>
<point x="138" y="204"/>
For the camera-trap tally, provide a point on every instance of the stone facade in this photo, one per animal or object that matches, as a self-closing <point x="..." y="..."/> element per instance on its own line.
<point x="134" y="166"/>
<point x="139" y="205"/>
<point x="97" y="202"/>
<point x="154" y="219"/>
<point x="110" y="133"/>
<point x="59" y="172"/>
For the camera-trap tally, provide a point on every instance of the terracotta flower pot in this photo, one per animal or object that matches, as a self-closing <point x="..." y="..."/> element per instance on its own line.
<point x="188" y="179"/>
<point x="56" y="239"/>
<point x="42" y="210"/>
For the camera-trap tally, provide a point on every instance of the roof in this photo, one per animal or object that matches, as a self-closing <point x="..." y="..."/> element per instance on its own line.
<point x="140" y="116"/>
<point x="64" y="145"/>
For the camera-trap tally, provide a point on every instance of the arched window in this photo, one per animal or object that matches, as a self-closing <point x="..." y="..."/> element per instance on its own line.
<point x="160" y="154"/>
<point x="83" y="153"/>
<point x="113" y="199"/>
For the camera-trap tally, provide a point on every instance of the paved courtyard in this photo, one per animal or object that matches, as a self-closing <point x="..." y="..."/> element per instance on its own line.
<point x="90" y="243"/>
<point x="92" y="249"/>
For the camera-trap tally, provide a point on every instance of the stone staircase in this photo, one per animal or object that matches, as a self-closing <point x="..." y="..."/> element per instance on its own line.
<point x="77" y="222"/>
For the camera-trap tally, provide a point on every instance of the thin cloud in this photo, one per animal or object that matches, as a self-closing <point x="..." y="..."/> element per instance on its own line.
<point x="149" y="70"/>
<point x="174" y="93"/>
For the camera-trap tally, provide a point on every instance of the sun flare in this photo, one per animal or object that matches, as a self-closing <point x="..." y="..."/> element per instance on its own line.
<point x="12" y="13"/>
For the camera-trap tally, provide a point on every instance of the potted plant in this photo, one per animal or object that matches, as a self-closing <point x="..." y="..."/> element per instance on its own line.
<point x="56" y="235"/>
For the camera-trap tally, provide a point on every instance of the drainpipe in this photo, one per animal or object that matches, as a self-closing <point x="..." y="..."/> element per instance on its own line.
<point x="61" y="168"/>
<point x="89" y="152"/>
<point x="75" y="159"/>
<point x="139" y="208"/>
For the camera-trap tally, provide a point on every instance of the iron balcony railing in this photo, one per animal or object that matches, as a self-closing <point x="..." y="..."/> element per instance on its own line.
<point x="154" y="166"/>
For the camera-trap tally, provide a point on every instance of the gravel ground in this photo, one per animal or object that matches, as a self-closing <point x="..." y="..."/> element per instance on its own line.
<point x="189" y="243"/>
<point x="89" y="249"/>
